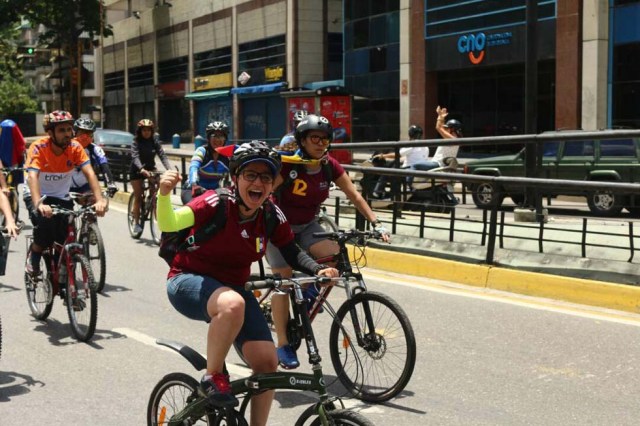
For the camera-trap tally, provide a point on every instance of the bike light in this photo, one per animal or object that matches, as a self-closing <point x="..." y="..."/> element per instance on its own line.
<point x="257" y="293"/>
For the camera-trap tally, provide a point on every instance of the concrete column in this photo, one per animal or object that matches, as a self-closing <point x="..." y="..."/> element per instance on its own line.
<point x="405" y="67"/>
<point x="595" y="53"/>
<point x="126" y="85"/>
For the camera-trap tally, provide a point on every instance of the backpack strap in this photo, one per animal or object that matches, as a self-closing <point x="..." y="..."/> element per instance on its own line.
<point x="217" y="222"/>
<point x="270" y="217"/>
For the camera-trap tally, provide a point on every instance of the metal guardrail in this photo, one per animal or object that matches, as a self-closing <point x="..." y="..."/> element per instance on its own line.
<point x="493" y="224"/>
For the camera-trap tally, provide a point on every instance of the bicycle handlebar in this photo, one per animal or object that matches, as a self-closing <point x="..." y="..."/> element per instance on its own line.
<point x="343" y="235"/>
<point x="274" y="282"/>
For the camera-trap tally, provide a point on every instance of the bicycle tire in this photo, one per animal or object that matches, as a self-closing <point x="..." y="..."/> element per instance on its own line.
<point x="369" y="379"/>
<point x="40" y="292"/>
<point x="172" y="393"/>
<point x="153" y="224"/>
<point x="131" y="223"/>
<point x="327" y="223"/>
<point x="14" y="203"/>
<point x="339" y="417"/>
<point x="93" y="247"/>
<point x="82" y="306"/>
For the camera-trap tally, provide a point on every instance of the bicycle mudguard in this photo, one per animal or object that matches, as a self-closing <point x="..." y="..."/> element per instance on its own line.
<point x="197" y="360"/>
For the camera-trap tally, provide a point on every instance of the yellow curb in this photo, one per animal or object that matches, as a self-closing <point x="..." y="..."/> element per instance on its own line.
<point x="121" y="197"/>
<point x="575" y="290"/>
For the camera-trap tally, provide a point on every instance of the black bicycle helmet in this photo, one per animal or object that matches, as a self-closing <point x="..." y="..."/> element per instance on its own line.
<point x="217" y="126"/>
<point x="415" y="132"/>
<point x="313" y="122"/>
<point x="453" y="124"/>
<point x="85" y="124"/>
<point x="253" y="151"/>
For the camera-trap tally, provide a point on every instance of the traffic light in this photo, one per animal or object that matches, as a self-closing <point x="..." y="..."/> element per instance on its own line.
<point x="26" y="51"/>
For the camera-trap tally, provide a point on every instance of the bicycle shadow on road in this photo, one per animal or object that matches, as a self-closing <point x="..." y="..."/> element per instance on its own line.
<point x="112" y="288"/>
<point x="7" y="288"/>
<point x="14" y="384"/>
<point x="59" y="334"/>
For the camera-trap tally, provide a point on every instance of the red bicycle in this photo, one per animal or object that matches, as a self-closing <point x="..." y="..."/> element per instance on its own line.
<point x="66" y="272"/>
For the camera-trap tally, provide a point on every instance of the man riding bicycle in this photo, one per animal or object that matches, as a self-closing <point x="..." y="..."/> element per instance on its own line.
<point x="50" y="164"/>
<point x="84" y="129"/>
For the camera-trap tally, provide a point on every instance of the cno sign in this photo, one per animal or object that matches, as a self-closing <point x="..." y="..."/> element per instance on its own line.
<point x="474" y="45"/>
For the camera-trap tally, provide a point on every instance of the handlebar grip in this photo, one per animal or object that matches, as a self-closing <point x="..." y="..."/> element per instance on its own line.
<point x="258" y="285"/>
<point x="323" y="234"/>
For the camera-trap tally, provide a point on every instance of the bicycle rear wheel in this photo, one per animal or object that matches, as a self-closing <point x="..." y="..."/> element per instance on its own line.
<point x="131" y="221"/>
<point x="373" y="347"/>
<point x="39" y="291"/>
<point x="153" y="224"/>
<point x="170" y="396"/>
<point x="93" y="246"/>
<point x="82" y="301"/>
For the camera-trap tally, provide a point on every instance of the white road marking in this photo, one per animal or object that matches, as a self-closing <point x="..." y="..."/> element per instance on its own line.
<point x="550" y="305"/>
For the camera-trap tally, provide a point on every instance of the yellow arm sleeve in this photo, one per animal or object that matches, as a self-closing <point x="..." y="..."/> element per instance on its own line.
<point x="170" y="220"/>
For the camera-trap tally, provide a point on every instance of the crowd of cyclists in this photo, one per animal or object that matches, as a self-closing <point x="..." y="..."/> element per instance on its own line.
<point x="205" y="283"/>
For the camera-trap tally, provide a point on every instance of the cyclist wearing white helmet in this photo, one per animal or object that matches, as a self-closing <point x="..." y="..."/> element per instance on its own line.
<point x="288" y="141"/>
<point x="84" y="129"/>
<point x="206" y="283"/>
<point x="207" y="166"/>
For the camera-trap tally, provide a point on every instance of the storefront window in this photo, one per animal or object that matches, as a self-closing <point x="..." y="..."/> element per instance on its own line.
<point x="173" y="70"/>
<point x="216" y="61"/>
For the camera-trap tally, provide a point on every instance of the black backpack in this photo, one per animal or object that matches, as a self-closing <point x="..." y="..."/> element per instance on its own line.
<point x="173" y="242"/>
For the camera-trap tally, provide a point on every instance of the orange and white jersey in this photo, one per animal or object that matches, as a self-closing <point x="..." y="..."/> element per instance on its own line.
<point x="55" y="171"/>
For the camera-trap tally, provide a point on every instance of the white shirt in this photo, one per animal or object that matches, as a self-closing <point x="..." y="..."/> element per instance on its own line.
<point x="445" y="151"/>
<point x="413" y="155"/>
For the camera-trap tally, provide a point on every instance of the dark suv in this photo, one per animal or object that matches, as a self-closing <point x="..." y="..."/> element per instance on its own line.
<point x="615" y="160"/>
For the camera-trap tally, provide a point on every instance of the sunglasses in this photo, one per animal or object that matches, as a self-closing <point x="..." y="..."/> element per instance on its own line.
<point x="317" y="139"/>
<point x="251" y="176"/>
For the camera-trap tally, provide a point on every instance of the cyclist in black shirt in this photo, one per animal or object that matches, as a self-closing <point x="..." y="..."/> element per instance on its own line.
<point x="144" y="149"/>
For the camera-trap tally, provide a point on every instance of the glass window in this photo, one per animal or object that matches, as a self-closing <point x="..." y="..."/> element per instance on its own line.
<point x="550" y="149"/>
<point x="578" y="149"/>
<point x="361" y="33"/>
<point x="377" y="59"/>
<point x="617" y="148"/>
<point x="624" y="2"/>
<point x="378" y="30"/>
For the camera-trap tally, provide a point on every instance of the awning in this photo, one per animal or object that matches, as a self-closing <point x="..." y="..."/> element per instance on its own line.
<point x="209" y="94"/>
<point x="255" y="90"/>
<point x="315" y="85"/>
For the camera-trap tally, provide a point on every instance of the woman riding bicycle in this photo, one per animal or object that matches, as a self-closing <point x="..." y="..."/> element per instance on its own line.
<point x="207" y="283"/>
<point x="207" y="166"/>
<point x="300" y="193"/>
<point x="144" y="149"/>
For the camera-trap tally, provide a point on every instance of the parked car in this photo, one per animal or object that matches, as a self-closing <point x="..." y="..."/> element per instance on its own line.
<point x="614" y="160"/>
<point x="108" y="138"/>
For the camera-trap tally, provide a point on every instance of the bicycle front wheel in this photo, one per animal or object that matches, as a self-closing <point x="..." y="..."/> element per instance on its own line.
<point x="336" y="417"/>
<point x="327" y="223"/>
<point x="170" y="396"/>
<point x="39" y="291"/>
<point x="81" y="299"/>
<point x="373" y="348"/>
<point x="131" y="222"/>
<point x="93" y="246"/>
<point x="153" y="224"/>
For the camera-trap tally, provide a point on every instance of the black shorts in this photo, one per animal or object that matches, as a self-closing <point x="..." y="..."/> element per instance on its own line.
<point x="48" y="230"/>
<point x="134" y="173"/>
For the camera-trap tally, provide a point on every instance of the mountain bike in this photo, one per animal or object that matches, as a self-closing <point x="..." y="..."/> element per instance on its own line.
<point x="147" y="209"/>
<point x="8" y="173"/>
<point x="91" y="239"/>
<point x="177" y="400"/>
<point x="66" y="272"/>
<point x="371" y="340"/>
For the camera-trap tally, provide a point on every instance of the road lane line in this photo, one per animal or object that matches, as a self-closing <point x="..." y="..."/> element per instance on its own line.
<point x="550" y="305"/>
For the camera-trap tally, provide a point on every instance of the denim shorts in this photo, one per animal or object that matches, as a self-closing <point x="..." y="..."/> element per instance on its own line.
<point x="189" y="294"/>
<point x="304" y="238"/>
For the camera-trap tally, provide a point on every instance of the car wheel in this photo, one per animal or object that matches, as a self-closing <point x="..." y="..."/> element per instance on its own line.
<point x="605" y="203"/>
<point x="484" y="195"/>
<point x="518" y="199"/>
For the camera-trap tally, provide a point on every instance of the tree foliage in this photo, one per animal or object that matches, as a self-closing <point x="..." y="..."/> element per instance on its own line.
<point x="16" y="97"/>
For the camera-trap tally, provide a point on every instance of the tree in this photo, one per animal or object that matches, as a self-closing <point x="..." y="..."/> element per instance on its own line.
<point x="16" y="97"/>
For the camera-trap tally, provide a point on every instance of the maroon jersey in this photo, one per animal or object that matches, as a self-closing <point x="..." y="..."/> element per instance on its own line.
<point x="227" y="256"/>
<point x="301" y="200"/>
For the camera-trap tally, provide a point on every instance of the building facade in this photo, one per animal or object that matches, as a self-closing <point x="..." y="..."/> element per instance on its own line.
<point x="252" y="63"/>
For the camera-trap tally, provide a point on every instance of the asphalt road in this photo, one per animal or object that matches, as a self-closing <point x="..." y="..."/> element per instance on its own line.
<point x="484" y="358"/>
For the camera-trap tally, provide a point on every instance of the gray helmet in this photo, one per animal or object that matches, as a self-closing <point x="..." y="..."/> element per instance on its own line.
<point x="313" y="122"/>
<point x="253" y="151"/>
<point x="217" y="126"/>
<point x="299" y="115"/>
<point x="415" y="131"/>
<point x="84" y="124"/>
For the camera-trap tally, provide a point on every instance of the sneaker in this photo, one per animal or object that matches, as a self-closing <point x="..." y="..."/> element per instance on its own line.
<point x="287" y="357"/>
<point x="34" y="273"/>
<point x="218" y="390"/>
<point x="137" y="229"/>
